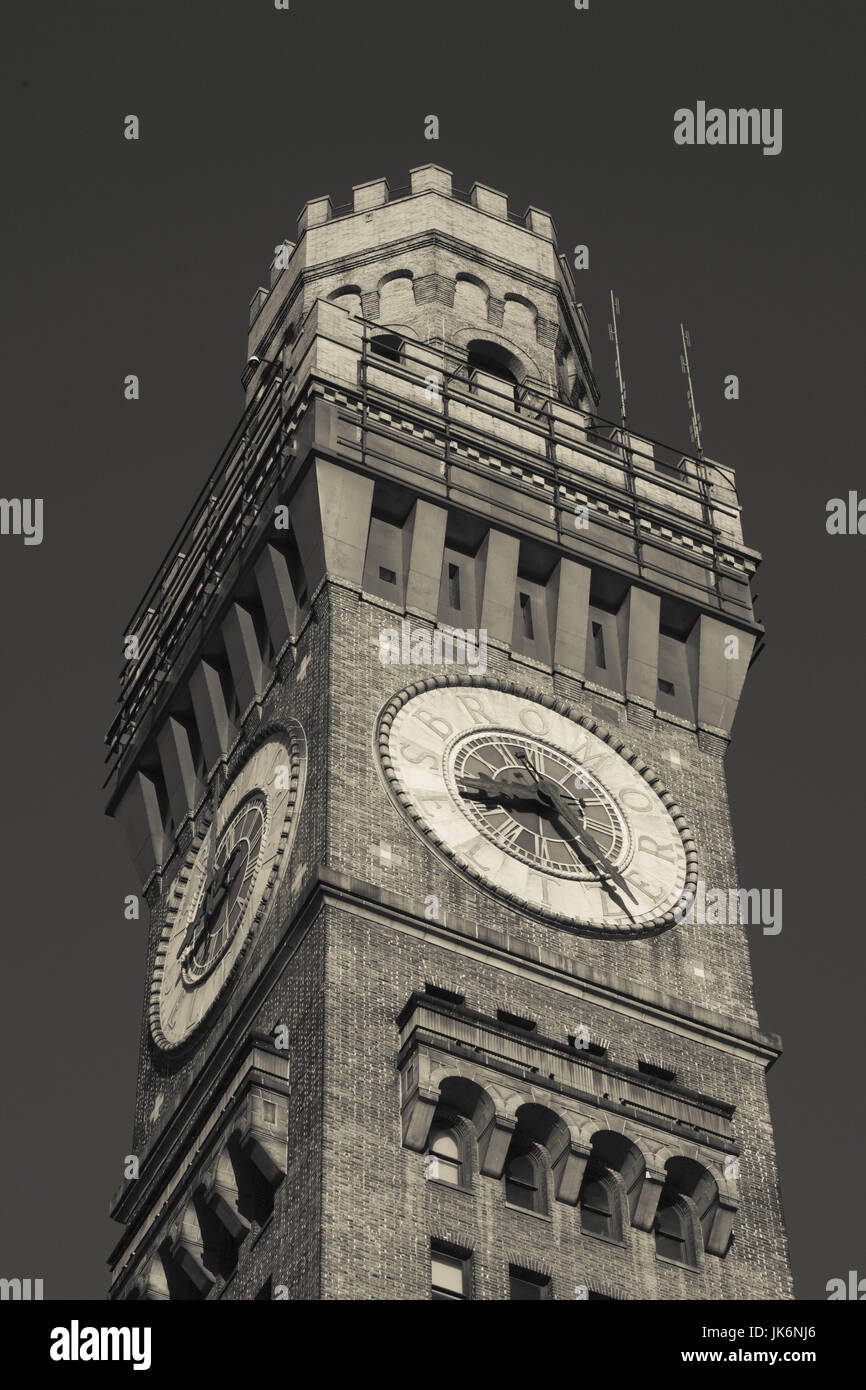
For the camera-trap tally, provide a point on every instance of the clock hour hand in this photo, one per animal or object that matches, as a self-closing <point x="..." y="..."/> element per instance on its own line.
<point x="497" y="789"/>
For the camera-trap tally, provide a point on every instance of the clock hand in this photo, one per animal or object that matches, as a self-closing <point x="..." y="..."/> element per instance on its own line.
<point x="499" y="788"/>
<point x="598" y="860"/>
<point x="594" y="848"/>
<point x="585" y="841"/>
<point x="213" y="901"/>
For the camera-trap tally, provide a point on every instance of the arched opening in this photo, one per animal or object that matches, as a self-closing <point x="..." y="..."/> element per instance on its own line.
<point x="611" y="1185"/>
<point x="387" y="345"/>
<point x="686" y="1211"/>
<point x="495" y="360"/>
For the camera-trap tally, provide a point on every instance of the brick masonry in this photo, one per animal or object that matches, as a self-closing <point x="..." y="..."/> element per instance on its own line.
<point x="354" y="1215"/>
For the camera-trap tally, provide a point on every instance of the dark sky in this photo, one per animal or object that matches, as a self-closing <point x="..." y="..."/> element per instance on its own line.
<point x="142" y="257"/>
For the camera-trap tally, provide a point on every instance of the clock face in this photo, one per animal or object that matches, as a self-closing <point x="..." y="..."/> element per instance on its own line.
<point x="523" y="797"/>
<point x="226" y="887"/>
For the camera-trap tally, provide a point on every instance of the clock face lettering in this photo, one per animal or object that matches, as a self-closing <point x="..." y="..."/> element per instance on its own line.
<point x="227" y="887"/>
<point x="525" y="799"/>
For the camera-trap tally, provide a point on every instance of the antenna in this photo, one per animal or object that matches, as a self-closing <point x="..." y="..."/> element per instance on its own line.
<point x="613" y="333"/>
<point x="695" y="419"/>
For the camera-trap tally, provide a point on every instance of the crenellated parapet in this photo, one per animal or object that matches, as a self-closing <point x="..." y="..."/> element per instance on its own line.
<point x="441" y="267"/>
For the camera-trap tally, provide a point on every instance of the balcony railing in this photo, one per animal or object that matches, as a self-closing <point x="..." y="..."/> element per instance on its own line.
<point x="551" y="444"/>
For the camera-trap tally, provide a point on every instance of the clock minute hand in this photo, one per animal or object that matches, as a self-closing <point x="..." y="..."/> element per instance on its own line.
<point x="585" y="840"/>
<point x="594" y="848"/>
<point x="593" y="851"/>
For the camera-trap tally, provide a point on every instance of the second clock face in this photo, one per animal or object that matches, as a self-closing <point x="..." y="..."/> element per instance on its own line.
<point x="226" y="888"/>
<point x="526" y="799"/>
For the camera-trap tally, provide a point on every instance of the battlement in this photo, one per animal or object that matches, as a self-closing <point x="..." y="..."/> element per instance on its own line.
<point x="426" y="178"/>
<point x="433" y="261"/>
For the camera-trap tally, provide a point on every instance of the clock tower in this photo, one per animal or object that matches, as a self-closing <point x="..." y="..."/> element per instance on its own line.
<point x="420" y="761"/>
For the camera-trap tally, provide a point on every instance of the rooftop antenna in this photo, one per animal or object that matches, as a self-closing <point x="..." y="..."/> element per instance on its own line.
<point x="695" y="419"/>
<point x="613" y="333"/>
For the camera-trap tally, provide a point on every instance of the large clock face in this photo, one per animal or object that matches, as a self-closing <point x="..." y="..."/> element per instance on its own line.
<point x="226" y="887"/>
<point x="523" y="797"/>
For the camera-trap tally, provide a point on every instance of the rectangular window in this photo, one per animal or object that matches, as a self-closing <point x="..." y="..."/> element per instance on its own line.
<point x="524" y="1285"/>
<point x="449" y="1275"/>
<point x="671" y="470"/>
<point x="598" y="646"/>
<point x="388" y="575"/>
<point x="670" y="1247"/>
<point x="270" y="1110"/>
<point x="526" y="616"/>
<point x="454" y="586"/>
<point x="666" y="687"/>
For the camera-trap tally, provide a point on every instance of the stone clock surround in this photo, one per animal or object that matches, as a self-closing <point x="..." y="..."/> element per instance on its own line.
<point x="292" y="737"/>
<point x="515" y="687"/>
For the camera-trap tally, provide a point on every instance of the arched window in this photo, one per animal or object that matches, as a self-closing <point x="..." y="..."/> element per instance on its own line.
<point x="673" y="1233"/>
<point x="686" y="1212"/>
<point x="523" y="1176"/>
<point x="570" y="385"/>
<point x="485" y="359"/>
<point x="599" y="1203"/>
<point x="443" y="1161"/>
<point x="611" y="1185"/>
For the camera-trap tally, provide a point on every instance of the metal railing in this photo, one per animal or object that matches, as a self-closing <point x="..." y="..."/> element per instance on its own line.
<point x="184" y="590"/>
<point x="184" y="587"/>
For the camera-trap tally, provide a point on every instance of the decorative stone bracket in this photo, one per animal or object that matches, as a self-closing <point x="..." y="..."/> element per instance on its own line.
<point x="200" y="1217"/>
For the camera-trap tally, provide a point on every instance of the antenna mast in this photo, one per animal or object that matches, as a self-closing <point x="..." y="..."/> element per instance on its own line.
<point x="695" y="419"/>
<point x="613" y="331"/>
